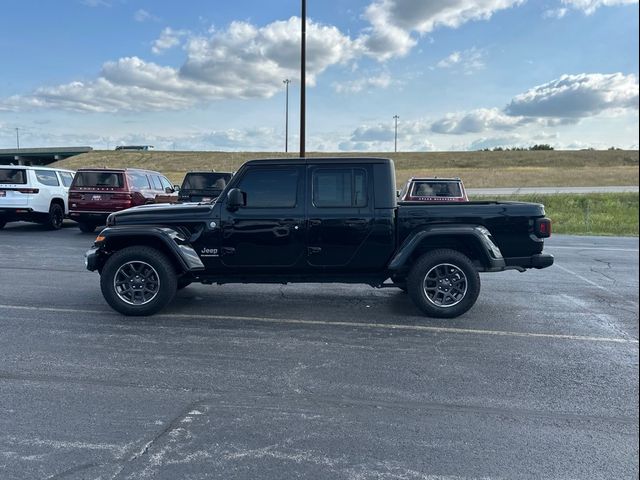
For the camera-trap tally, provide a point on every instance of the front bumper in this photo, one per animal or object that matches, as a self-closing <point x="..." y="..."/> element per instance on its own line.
<point x="91" y="259"/>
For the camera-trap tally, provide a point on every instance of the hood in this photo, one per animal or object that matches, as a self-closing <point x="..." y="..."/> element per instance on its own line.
<point x="162" y="213"/>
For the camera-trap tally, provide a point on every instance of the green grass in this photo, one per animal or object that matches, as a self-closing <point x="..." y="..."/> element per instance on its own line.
<point x="591" y="214"/>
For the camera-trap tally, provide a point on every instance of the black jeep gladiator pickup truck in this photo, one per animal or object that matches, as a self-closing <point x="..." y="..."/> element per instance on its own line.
<point x="316" y="220"/>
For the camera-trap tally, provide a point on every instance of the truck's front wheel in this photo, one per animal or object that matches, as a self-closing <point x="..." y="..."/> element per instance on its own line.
<point x="138" y="280"/>
<point x="444" y="283"/>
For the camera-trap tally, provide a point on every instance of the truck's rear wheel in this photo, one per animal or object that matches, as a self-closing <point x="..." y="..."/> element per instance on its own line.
<point x="444" y="283"/>
<point x="138" y="280"/>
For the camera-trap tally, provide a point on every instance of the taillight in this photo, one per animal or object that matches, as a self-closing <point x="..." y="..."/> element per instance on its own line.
<point x="543" y="227"/>
<point x="121" y="196"/>
<point x="75" y="195"/>
<point x="28" y="190"/>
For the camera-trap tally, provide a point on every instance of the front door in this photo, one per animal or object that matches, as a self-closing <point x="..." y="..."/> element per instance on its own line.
<point x="340" y="215"/>
<point x="269" y="231"/>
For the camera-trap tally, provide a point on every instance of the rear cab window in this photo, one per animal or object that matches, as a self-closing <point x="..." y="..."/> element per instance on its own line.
<point x="205" y="181"/>
<point x="16" y="176"/>
<point x="437" y="189"/>
<point x="99" y="179"/>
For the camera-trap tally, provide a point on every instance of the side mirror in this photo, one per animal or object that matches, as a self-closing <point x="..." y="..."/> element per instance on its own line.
<point x="235" y="199"/>
<point x="169" y="190"/>
<point x="176" y="188"/>
<point x="398" y="193"/>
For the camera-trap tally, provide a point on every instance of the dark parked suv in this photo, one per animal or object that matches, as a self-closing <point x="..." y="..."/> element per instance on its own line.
<point x="203" y="186"/>
<point x="97" y="192"/>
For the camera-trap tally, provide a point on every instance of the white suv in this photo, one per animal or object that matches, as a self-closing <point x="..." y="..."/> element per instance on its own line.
<point x="34" y="194"/>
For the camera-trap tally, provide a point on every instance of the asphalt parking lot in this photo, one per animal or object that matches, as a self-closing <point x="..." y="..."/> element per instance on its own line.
<point x="538" y="380"/>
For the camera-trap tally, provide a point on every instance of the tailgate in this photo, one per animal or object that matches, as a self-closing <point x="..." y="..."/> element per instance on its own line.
<point x="98" y="200"/>
<point x="16" y="196"/>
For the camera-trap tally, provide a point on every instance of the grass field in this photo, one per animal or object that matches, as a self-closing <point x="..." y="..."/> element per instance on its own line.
<point x="592" y="214"/>
<point x="478" y="169"/>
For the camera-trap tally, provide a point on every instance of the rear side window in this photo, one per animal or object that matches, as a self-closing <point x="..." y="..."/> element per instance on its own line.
<point x="270" y="188"/>
<point x="66" y="178"/>
<point x="138" y="180"/>
<point x="99" y="179"/>
<point x="47" y="177"/>
<point x="156" y="182"/>
<point x="343" y="187"/>
<point x="13" y="175"/>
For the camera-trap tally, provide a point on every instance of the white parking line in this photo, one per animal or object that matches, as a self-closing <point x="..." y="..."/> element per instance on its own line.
<point x="584" y="279"/>
<point x="376" y="326"/>
<point x="578" y="247"/>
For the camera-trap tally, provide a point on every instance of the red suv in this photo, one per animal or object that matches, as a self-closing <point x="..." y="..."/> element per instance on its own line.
<point x="97" y="192"/>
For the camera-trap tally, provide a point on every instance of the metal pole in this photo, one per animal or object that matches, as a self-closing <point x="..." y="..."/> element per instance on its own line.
<point x="303" y="79"/>
<point x="395" y="141"/>
<point x="18" y="138"/>
<point x="286" y="120"/>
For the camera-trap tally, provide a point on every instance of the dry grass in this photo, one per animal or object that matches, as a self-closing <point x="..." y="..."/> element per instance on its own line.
<point x="477" y="169"/>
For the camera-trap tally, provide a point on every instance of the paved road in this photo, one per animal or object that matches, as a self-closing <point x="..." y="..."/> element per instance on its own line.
<point x="550" y="190"/>
<point x="538" y="380"/>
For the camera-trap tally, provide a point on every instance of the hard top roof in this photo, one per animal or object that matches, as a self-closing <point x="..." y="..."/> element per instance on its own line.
<point x="34" y="167"/>
<point x="322" y="160"/>
<point x="118" y="170"/>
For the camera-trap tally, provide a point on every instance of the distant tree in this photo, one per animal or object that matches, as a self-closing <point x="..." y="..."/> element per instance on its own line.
<point x="542" y="146"/>
<point x="614" y="148"/>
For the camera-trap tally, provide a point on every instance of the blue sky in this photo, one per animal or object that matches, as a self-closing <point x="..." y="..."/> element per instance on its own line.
<point x="207" y="75"/>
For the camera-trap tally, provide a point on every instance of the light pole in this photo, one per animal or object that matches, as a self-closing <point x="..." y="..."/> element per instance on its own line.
<point x="395" y="141"/>
<point x="286" y="118"/>
<point x="18" y="138"/>
<point x="303" y="76"/>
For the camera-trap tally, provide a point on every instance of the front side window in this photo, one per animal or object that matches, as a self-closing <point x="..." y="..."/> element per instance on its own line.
<point x="344" y="187"/>
<point x="165" y="183"/>
<point x="47" y="177"/>
<point x="270" y="188"/>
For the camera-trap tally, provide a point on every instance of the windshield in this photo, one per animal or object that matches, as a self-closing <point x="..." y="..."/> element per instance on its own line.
<point x="99" y="179"/>
<point x="205" y="181"/>
<point x="13" y="175"/>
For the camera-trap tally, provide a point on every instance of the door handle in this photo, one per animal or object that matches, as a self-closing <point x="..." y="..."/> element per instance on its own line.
<point x="314" y="222"/>
<point x="355" y="221"/>
<point x="313" y="250"/>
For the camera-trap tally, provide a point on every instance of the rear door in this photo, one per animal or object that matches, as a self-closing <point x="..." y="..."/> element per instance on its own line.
<point x="340" y="213"/>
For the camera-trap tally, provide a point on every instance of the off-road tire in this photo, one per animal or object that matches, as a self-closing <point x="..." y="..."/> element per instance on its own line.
<point x="166" y="279"/>
<point x="456" y="268"/>
<point x="86" y="227"/>
<point x="55" y="217"/>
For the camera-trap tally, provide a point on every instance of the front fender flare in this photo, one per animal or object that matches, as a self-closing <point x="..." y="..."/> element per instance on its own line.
<point x="175" y="242"/>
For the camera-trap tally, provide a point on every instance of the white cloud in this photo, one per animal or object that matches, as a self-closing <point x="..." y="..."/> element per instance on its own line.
<point x="590" y="6"/>
<point x="555" y="13"/>
<point x="243" y="61"/>
<point x="577" y="96"/>
<point x="96" y="3"/>
<point x="143" y="15"/>
<point x="168" y="39"/>
<point x="466" y="61"/>
<point x="365" y="83"/>
<point x="477" y="121"/>
<point x="394" y="21"/>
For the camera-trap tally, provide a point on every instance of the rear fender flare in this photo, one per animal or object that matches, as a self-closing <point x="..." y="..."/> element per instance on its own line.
<point x="491" y="256"/>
